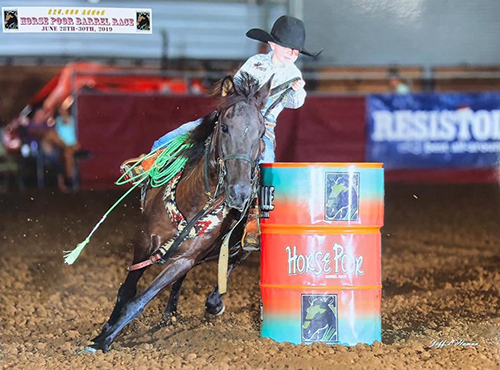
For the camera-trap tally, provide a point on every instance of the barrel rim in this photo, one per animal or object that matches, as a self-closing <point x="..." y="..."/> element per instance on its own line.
<point x="312" y="288"/>
<point x="324" y="164"/>
<point x="322" y="229"/>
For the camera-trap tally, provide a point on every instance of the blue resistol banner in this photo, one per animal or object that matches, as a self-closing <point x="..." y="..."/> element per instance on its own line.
<point x="434" y="130"/>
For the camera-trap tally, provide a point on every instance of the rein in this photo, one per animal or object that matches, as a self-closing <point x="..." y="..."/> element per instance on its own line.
<point x="224" y="249"/>
<point x="286" y="87"/>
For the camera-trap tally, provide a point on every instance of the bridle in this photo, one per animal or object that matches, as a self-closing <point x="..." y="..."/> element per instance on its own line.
<point x="221" y="160"/>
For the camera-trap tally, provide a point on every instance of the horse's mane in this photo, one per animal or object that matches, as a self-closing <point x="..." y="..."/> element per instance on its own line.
<point x="245" y="89"/>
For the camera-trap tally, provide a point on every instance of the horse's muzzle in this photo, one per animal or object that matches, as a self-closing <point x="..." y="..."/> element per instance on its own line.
<point x="238" y="195"/>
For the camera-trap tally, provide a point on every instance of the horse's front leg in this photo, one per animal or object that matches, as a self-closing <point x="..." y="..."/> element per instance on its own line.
<point x="171" y="310"/>
<point x="132" y="309"/>
<point x="126" y="292"/>
<point x="214" y="304"/>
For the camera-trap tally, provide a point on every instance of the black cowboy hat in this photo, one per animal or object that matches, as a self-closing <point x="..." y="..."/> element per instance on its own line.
<point x="287" y="31"/>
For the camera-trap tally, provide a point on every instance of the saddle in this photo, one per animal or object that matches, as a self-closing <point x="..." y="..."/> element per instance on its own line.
<point x="133" y="168"/>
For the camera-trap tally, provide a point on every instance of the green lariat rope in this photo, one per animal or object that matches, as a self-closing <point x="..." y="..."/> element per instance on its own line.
<point x="168" y="164"/>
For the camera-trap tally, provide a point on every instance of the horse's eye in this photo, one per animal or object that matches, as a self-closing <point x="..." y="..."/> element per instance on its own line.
<point x="224" y="128"/>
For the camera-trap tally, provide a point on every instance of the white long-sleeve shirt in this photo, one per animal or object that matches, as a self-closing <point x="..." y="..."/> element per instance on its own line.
<point x="261" y="67"/>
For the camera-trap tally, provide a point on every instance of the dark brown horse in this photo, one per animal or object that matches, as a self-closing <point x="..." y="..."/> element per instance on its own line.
<point x="215" y="187"/>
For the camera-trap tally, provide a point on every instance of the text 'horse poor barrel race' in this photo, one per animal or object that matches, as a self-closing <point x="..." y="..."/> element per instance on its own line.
<point x="321" y="252"/>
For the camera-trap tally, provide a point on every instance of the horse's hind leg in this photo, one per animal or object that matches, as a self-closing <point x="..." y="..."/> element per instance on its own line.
<point x="126" y="292"/>
<point x="132" y="309"/>
<point x="171" y="309"/>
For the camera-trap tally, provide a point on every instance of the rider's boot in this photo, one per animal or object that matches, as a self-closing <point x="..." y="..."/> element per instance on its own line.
<point x="251" y="235"/>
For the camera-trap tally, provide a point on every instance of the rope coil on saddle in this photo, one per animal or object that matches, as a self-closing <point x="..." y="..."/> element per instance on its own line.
<point x="168" y="164"/>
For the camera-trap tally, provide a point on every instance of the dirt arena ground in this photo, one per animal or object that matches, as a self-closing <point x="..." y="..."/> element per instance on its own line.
<point x="441" y="280"/>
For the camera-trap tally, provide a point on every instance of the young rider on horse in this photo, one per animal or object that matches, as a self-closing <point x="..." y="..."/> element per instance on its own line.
<point x="286" y="40"/>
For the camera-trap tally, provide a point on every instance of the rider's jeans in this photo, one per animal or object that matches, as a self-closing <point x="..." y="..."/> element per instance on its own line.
<point x="268" y="154"/>
<point x="181" y="130"/>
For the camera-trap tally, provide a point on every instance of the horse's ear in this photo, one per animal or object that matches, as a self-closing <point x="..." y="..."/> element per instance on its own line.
<point x="227" y="86"/>
<point x="264" y="91"/>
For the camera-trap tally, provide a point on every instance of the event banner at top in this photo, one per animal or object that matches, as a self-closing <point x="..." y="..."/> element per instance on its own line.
<point x="76" y="20"/>
<point x="434" y="130"/>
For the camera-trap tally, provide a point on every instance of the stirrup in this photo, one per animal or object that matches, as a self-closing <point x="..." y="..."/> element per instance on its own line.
<point x="250" y="247"/>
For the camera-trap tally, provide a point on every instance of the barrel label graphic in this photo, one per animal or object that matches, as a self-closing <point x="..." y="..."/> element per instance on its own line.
<point x="319" y="318"/>
<point x="314" y="260"/>
<point x="266" y="197"/>
<point x="337" y="263"/>
<point x="342" y="196"/>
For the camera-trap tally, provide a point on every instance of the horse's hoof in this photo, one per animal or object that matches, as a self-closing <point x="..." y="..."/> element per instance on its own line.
<point x="216" y="310"/>
<point x="99" y="345"/>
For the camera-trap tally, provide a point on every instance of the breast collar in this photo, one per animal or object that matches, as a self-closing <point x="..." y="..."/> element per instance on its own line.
<point x="206" y="223"/>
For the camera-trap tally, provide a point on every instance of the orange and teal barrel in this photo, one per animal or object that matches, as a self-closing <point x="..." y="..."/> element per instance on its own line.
<point x="321" y="252"/>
